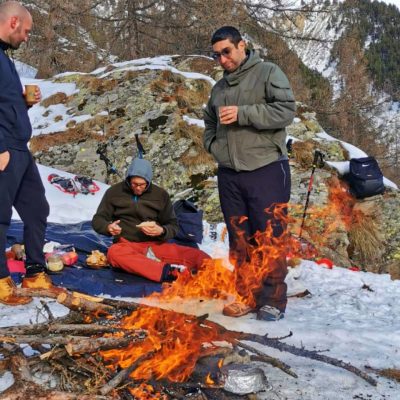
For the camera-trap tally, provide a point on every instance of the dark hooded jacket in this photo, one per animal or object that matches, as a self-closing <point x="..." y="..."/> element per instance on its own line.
<point x="266" y="106"/>
<point x="120" y="203"/>
<point x="15" y="127"/>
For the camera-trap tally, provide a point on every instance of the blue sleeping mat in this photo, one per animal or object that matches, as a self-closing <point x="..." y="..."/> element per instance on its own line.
<point x="79" y="277"/>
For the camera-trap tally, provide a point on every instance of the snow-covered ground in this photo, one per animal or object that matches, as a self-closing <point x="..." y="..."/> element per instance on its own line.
<point x="353" y="316"/>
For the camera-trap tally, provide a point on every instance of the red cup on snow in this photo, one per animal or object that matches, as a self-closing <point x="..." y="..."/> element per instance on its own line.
<point x="325" y="262"/>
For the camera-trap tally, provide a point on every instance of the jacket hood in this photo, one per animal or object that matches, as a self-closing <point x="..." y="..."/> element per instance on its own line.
<point x="140" y="167"/>
<point x="233" y="78"/>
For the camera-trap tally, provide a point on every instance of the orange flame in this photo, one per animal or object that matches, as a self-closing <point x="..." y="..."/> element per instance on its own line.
<point x="175" y="341"/>
<point x="146" y="392"/>
<point x="209" y="380"/>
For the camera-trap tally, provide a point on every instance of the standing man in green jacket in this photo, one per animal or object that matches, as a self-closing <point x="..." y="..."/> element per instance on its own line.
<point x="245" y="122"/>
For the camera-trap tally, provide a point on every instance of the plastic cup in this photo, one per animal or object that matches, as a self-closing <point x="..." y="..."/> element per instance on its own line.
<point x="30" y="91"/>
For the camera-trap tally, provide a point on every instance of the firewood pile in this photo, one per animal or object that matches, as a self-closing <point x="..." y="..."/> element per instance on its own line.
<point x="111" y="349"/>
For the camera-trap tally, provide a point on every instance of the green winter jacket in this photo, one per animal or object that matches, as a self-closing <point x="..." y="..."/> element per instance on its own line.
<point x="119" y="203"/>
<point x="266" y="106"/>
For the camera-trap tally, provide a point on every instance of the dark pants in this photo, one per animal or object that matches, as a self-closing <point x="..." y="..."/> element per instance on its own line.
<point x="254" y="195"/>
<point x="22" y="187"/>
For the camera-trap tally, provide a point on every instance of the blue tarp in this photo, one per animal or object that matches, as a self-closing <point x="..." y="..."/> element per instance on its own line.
<point x="81" y="278"/>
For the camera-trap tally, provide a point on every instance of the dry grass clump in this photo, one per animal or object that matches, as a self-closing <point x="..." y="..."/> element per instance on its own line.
<point x="196" y="154"/>
<point x="303" y="152"/>
<point x="202" y="65"/>
<point x="170" y="77"/>
<point x="367" y="244"/>
<point x="57" y="98"/>
<point x="171" y="87"/>
<point x="189" y="99"/>
<point x="132" y="75"/>
<point x="158" y="86"/>
<point x="390" y="373"/>
<point x="74" y="134"/>
<point x="100" y="86"/>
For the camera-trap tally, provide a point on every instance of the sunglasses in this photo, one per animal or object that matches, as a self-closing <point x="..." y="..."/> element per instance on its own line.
<point x="224" y="52"/>
<point x="138" y="185"/>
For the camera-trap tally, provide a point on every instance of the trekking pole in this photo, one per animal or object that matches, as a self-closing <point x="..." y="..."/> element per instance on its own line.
<point x="111" y="169"/>
<point x="140" y="147"/>
<point x="318" y="161"/>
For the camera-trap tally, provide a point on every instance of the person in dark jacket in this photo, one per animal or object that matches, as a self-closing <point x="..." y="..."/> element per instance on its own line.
<point x="245" y="122"/>
<point x="140" y="217"/>
<point x="20" y="183"/>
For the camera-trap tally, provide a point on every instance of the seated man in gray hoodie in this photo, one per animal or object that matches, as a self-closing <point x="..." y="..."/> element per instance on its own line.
<point x="140" y="217"/>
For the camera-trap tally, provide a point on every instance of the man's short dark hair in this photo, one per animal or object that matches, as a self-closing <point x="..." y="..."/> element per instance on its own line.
<point x="226" y="32"/>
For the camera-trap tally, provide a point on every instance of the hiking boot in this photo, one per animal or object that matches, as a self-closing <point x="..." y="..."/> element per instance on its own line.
<point x="236" y="309"/>
<point x="8" y="293"/>
<point x="269" y="313"/>
<point x="179" y="267"/>
<point x="170" y="273"/>
<point x="41" y="281"/>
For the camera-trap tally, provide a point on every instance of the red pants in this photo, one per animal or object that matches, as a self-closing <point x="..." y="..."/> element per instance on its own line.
<point x="131" y="257"/>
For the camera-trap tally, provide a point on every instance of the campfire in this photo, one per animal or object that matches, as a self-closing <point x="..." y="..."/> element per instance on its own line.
<point x="115" y="349"/>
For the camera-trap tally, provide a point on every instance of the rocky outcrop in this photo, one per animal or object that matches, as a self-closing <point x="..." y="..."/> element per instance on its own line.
<point x="160" y="101"/>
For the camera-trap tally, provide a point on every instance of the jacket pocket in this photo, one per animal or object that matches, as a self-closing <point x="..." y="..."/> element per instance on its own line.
<point x="22" y="124"/>
<point x="219" y="149"/>
<point x="281" y="91"/>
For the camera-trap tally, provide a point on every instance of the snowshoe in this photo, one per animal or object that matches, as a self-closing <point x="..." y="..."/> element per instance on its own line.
<point x="66" y="185"/>
<point x="86" y="185"/>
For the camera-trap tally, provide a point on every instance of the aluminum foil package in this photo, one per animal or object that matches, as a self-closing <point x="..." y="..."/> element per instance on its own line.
<point x="243" y="379"/>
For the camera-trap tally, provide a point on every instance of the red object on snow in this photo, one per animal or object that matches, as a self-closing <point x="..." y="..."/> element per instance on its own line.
<point x="354" y="269"/>
<point x="326" y="262"/>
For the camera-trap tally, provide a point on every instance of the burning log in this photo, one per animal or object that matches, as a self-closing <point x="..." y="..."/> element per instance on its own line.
<point x="169" y="336"/>
<point x="82" y="303"/>
<point x="73" y="344"/>
<point x="123" y="375"/>
<point x="116" y="304"/>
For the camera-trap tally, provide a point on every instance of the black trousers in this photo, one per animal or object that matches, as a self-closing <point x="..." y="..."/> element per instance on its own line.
<point x="22" y="187"/>
<point x="254" y="194"/>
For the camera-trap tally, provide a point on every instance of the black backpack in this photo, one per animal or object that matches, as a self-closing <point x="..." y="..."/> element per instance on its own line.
<point x="365" y="177"/>
<point x="190" y="221"/>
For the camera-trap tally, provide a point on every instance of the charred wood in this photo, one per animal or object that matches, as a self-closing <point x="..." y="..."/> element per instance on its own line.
<point x="267" y="359"/>
<point x="313" y="355"/>
<point x="124" y="374"/>
<point x="83" y="304"/>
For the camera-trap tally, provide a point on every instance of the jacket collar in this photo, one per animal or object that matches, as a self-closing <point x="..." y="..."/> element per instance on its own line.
<point x="233" y="78"/>
<point x="4" y="46"/>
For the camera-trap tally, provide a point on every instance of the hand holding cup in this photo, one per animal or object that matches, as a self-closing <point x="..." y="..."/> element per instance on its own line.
<point x="32" y="94"/>
<point x="228" y="114"/>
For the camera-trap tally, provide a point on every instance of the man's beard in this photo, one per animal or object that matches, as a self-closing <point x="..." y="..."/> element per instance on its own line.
<point x="15" y="45"/>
